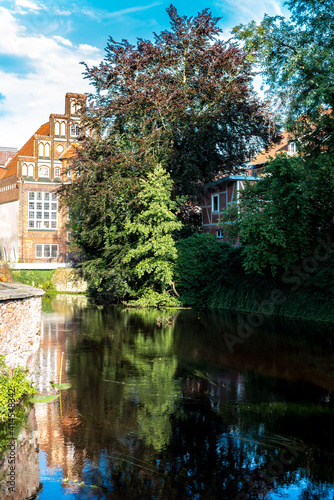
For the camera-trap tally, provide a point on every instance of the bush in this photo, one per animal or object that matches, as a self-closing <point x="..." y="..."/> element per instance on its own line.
<point x="210" y="273"/>
<point x="13" y="387"/>
<point x="201" y="259"/>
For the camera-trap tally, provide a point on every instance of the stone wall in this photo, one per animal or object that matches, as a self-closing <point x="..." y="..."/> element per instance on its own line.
<point x="68" y="280"/>
<point x="25" y="450"/>
<point x="20" y="321"/>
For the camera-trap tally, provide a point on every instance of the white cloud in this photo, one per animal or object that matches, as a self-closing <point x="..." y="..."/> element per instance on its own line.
<point x="53" y="70"/>
<point x="63" y="41"/>
<point x="27" y="4"/>
<point x="98" y="14"/>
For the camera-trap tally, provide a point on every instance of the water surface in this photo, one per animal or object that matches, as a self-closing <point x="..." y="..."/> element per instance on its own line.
<point x="161" y="408"/>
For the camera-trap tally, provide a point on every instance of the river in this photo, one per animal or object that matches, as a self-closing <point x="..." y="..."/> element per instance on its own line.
<point x="162" y="407"/>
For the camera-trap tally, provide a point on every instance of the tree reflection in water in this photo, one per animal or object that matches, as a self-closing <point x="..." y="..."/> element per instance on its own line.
<point x="168" y="412"/>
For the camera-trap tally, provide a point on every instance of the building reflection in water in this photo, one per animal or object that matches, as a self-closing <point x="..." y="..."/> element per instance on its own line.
<point x="153" y="409"/>
<point x="57" y="419"/>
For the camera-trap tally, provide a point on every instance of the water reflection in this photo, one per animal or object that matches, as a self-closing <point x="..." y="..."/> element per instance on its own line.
<point x="168" y="412"/>
<point x="25" y="479"/>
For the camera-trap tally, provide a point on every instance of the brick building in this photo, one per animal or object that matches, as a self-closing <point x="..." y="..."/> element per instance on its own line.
<point x="32" y="225"/>
<point x="225" y="191"/>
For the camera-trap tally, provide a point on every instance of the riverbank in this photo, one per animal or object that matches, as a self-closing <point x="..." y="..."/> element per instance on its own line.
<point x="210" y="274"/>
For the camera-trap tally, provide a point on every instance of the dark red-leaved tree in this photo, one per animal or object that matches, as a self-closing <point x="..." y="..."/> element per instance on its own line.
<point x="184" y="100"/>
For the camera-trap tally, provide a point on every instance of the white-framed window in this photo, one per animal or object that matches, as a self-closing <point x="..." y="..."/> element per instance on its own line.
<point x="60" y="129"/>
<point x="75" y="130"/>
<point x="215" y="203"/>
<point x="69" y="174"/>
<point x="43" y="210"/>
<point x="220" y="234"/>
<point x="57" y="172"/>
<point x="24" y="169"/>
<point x="68" y="235"/>
<point x="73" y="107"/>
<point x="57" y="129"/>
<point x="292" y="148"/>
<point x="46" y="251"/>
<point x="43" y="171"/>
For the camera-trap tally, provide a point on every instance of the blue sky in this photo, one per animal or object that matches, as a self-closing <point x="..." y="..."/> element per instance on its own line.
<point x="43" y="42"/>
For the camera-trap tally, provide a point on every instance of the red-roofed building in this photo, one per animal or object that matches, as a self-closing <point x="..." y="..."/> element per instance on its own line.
<point x="32" y="224"/>
<point x="225" y="191"/>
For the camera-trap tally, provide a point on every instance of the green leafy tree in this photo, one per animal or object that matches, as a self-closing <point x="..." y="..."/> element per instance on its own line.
<point x="296" y="56"/>
<point x="98" y="201"/>
<point x="153" y="252"/>
<point x="281" y="217"/>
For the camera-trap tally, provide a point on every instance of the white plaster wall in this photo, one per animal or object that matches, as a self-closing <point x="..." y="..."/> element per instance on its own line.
<point x="9" y="231"/>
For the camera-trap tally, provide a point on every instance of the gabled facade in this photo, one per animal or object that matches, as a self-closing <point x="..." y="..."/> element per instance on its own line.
<point x="32" y="225"/>
<point x="220" y="194"/>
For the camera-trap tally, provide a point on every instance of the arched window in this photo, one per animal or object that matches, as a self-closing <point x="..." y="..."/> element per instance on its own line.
<point x="57" y="172"/>
<point x="73" y="107"/>
<point x="57" y="129"/>
<point x="30" y="170"/>
<point x="47" y="150"/>
<point x="62" y="129"/>
<point x="41" y="149"/>
<point x="75" y="130"/>
<point x="43" y="171"/>
<point x="24" y="169"/>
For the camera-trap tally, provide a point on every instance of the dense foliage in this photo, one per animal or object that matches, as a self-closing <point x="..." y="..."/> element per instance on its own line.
<point x="296" y="56"/>
<point x="152" y="251"/>
<point x="201" y="259"/>
<point x="281" y="217"/>
<point x="184" y="101"/>
<point x="211" y="274"/>
<point x="13" y="388"/>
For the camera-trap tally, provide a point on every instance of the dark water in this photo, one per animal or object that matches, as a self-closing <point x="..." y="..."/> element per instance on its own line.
<point x="162" y="409"/>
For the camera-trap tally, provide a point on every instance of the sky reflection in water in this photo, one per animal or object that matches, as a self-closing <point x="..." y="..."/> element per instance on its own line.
<point x="168" y="412"/>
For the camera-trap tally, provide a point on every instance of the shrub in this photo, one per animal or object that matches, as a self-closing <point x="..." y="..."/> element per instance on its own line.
<point x="14" y="386"/>
<point x="201" y="260"/>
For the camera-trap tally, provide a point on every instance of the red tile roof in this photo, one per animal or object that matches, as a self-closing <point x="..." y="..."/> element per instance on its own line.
<point x="272" y="150"/>
<point x="26" y="150"/>
<point x="2" y="172"/>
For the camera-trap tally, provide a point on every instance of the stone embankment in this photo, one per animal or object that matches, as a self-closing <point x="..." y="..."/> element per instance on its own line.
<point x="67" y="280"/>
<point x="20" y="322"/>
<point x="27" y="476"/>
